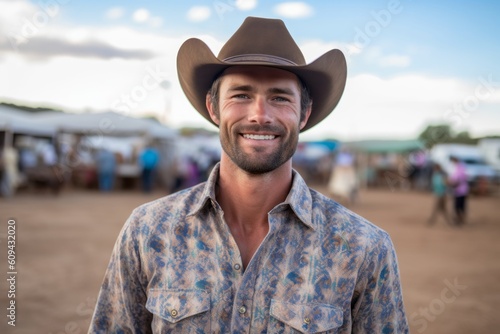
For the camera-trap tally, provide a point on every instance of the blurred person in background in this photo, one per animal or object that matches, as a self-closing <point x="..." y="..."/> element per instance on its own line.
<point x="3" y="183"/>
<point x="421" y="170"/>
<point x="148" y="160"/>
<point x="10" y="172"/>
<point x="28" y="159"/>
<point x="253" y="249"/>
<point x="343" y="181"/>
<point x="193" y="172"/>
<point x="439" y="190"/>
<point x="458" y="182"/>
<point x="51" y="174"/>
<point x="106" y="167"/>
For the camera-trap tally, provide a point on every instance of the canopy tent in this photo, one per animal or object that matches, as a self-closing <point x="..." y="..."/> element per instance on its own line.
<point x="385" y="146"/>
<point x="47" y="124"/>
<point x="106" y="124"/>
<point x="22" y="122"/>
<point x="385" y="162"/>
<point x="72" y="133"/>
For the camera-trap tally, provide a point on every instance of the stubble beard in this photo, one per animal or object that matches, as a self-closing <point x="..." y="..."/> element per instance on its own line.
<point x="259" y="162"/>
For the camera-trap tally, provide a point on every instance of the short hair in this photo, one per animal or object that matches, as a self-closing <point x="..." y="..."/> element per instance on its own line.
<point x="305" y="96"/>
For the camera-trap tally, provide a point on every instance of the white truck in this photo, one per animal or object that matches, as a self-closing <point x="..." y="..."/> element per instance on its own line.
<point x="490" y="148"/>
<point x="476" y="168"/>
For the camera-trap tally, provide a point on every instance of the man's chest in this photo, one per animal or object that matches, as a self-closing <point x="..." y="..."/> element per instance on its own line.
<point x="293" y="282"/>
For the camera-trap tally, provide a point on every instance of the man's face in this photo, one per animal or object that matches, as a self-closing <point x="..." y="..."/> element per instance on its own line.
<point x="258" y="117"/>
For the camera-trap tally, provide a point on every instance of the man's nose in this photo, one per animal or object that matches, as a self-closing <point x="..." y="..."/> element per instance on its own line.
<point x="260" y="112"/>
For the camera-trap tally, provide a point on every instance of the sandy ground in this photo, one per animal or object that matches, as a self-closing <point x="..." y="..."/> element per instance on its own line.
<point x="450" y="276"/>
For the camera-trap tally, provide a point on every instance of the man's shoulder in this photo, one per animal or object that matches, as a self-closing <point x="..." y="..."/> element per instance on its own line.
<point x="173" y="207"/>
<point x="337" y="221"/>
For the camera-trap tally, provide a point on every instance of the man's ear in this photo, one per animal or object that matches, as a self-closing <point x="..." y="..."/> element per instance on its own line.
<point x="306" y="117"/>
<point x="209" y="105"/>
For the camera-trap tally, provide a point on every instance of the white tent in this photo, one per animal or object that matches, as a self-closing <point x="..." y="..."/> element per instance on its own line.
<point x="108" y="126"/>
<point x="22" y="122"/>
<point x="105" y="124"/>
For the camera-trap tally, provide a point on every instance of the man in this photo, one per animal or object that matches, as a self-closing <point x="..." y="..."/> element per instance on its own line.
<point x="148" y="160"/>
<point x="106" y="167"/>
<point x="458" y="181"/>
<point x="253" y="250"/>
<point x="343" y="182"/>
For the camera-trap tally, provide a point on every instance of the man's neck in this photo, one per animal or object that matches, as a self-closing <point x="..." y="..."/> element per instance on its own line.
<point x="246" y="200"/>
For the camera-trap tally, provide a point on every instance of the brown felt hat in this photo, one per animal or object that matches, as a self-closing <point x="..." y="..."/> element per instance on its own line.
<point x="262" y="42"/>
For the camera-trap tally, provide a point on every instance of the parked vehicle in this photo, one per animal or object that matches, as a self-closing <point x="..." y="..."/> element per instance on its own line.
<point x="490" y="148"/>
<point x="476" y="168"/>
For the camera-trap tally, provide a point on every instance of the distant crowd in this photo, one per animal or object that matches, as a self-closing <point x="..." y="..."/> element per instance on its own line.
<point x="45" y="167"/>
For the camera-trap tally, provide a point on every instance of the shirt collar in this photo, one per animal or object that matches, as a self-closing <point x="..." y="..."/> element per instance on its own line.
<point x="299" y="198"/>
<point x="208" y="193"/>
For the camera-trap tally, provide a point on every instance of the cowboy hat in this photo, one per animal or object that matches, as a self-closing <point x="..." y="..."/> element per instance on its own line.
<point x="262" y="42"/>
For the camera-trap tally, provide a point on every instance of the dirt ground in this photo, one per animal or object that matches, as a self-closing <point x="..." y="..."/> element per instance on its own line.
<point x="450" y="276"/>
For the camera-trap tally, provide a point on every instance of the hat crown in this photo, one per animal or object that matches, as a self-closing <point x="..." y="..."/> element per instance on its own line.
<point x="262" y="42"/>
<point x="262" y="37"/>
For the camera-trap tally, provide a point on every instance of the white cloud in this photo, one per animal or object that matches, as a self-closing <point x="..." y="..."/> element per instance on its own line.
<point x="372" y="106"/>
<point x="21" y="20"/>
<point x="156" y="22"/>
<point x="141" y="15"/>
<point x="115" y="13"/>
<point x="75" y="81"/>
<point x="198" y="13"/>
<point x="313" y="49"/>
<point x="14" y="11"/>
<point x="294" y="10"/>
<point x="246" y="4"/>
<point x="395" y="61"/>
<point x="376" y="55"/>
<point x="401" y="107"/>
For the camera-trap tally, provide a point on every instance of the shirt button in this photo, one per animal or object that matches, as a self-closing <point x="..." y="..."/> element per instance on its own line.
<point x="242" y="309"/>
<point x="237" y="266"/>
<point x="307" y="320"/>
<point x="174" y="313"/>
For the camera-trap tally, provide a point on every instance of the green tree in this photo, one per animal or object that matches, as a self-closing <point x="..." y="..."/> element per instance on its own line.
<point x="436" y="134"/>
<point x="464" y="138"/>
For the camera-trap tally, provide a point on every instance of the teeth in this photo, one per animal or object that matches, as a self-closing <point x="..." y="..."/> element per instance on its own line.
<point x="259" y="137"/>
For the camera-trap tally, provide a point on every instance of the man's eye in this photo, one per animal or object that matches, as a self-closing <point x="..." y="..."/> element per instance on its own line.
<point x="240" y="96"/>
<point x="281" y="99"/>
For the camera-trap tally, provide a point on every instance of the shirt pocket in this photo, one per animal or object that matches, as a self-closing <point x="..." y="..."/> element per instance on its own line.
<point x="178" y="310"/>
<point x="304" y="318"/>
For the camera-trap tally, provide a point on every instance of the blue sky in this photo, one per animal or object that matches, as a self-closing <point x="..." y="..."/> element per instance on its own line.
<point x="446" y="37"/>
<point x="410" y="62"/>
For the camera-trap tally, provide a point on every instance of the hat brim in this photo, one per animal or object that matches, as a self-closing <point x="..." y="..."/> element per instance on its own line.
<point x="198" y="67"/>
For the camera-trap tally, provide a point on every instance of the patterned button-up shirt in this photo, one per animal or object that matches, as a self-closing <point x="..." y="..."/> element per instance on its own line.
<point x="176" y="268"/>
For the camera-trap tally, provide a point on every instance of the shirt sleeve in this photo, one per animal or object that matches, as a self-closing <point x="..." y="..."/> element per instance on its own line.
<point x="378" y="306"/>
<point x="121" y="302"/>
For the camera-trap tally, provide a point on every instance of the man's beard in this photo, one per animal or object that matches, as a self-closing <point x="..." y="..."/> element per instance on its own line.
<point x="259" y="163"/>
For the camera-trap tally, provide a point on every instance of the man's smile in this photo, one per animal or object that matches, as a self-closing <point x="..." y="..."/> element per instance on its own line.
<point x="259" y="137"/>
